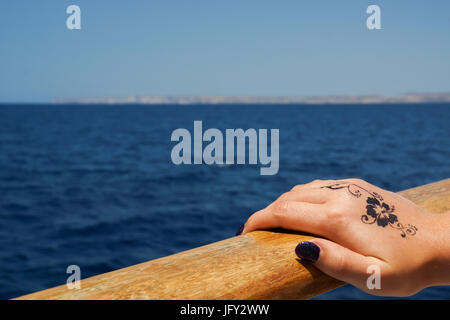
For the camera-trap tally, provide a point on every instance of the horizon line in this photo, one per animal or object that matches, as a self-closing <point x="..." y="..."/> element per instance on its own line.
<point x="407" y="98"/>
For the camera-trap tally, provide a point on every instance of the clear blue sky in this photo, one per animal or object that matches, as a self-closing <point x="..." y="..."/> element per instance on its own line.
<point x="221" y="47"/>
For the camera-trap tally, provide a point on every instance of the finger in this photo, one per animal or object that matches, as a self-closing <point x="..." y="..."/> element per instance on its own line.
<point x="339" y="262"/>
<point x="292" y="215"/>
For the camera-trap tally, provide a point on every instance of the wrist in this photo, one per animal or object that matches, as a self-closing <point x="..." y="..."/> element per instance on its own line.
<point x="437" y="266"/>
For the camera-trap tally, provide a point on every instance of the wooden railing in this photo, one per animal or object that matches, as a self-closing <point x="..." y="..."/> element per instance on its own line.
<point x="258" y="265"/>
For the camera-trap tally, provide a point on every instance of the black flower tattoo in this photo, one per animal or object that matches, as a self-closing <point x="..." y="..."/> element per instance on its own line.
<point x="377" y="211"/>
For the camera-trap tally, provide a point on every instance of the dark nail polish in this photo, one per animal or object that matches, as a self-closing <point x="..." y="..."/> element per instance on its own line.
<point x="308" y="251"/>
<point x="240" y="230"/>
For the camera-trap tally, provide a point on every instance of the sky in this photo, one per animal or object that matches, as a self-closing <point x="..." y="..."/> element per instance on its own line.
<point x="221" y="47"/>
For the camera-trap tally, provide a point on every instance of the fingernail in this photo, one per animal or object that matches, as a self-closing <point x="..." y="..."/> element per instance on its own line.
<point x="239" y="232"/>
<point x="308" y="251"/>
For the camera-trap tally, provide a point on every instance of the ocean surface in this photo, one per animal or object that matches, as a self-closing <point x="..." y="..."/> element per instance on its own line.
<point x="95" y="186"/>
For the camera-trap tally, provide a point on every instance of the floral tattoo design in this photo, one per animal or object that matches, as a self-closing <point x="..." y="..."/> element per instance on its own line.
<point x="377" y="211"/>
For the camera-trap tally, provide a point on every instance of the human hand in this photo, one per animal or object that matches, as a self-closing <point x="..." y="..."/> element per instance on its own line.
<point x="366" y="227"/>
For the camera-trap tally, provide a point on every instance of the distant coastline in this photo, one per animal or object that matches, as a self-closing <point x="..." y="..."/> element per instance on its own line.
<point x="204" y="99"/>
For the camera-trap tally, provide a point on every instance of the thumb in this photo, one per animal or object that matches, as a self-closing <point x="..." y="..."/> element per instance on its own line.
<point x="338" y="262"/>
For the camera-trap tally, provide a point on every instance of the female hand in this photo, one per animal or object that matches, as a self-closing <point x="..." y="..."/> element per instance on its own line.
<point x="368" y="229"/>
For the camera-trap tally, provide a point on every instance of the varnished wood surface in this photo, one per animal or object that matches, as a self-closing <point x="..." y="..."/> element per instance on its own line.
<point x="258" y="265"/>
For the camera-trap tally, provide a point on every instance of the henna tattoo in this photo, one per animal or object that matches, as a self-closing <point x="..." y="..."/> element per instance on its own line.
<point x="354" y="189"/>
<point x="376" y="209"/>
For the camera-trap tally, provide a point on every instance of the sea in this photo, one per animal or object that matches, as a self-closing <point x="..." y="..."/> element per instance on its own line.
<point x="95" y="186"/>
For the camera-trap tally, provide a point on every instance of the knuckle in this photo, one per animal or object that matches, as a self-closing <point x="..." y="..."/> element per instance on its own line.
<point x="283" y="197"/>
<point x="337" y="219"/>
<point x="356" y="180"/>
<point x="297" y="188"/>
<point x="334" y="213"/>
<point x="280" y="207"/>
<point x="280" y="211"/>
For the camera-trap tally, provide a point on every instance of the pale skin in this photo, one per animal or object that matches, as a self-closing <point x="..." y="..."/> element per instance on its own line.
<point x="410" y="246"/>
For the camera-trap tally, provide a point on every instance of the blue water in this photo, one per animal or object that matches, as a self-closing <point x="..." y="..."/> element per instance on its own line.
<point x="95" y="186"/>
